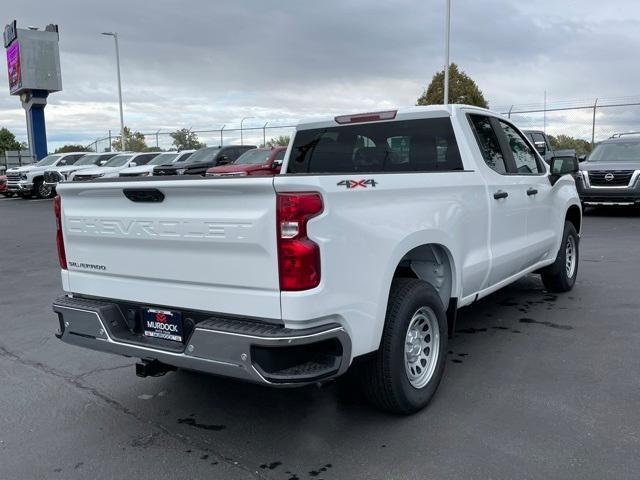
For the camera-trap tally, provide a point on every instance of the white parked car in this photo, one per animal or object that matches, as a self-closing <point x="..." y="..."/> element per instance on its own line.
<point x="28" y="180"/>
<point x="164" y="158"/>
<point x="61" y="172"/>
<point x="380" y="227"/>
<point x="114" y="166"/>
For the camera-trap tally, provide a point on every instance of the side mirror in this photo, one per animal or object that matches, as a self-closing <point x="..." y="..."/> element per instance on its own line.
<point x="222" y="160"/>
<point x="582" y="158"/>
<point x="276" y="164"/>
<point x="562" y="166"/>
<point x="133" y="164"/>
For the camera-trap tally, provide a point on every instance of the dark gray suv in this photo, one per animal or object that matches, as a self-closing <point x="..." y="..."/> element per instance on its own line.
<point x="203" y="159"/>
<point x="611" y="173"/>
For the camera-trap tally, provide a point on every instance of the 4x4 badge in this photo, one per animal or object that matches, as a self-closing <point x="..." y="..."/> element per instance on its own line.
<point x="369" y="182"/>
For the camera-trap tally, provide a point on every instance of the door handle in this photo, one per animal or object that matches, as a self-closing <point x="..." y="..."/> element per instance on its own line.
<point x="532" y="191"/>
<point x="500" y="194"/>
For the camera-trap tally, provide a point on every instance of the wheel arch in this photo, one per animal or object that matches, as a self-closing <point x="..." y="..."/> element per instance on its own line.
<point x="574" y="215"/>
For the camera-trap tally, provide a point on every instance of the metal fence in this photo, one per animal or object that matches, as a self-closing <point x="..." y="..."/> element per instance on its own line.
<point x="592" y="120"/>
<point x="225" y="135"/>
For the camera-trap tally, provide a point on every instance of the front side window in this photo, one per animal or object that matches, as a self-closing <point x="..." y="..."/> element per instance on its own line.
<point x="48" y="160"/>
<point x="397" y="146"/>
<point x="204" y="155"/>
<point x="488" y="143"/>
<point x="118" y="161"/>
<point x="523" y="155"/>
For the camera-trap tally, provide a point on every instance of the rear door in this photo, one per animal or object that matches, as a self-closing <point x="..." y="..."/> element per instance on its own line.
<point x="507" y="197"/>
<point x="209" y="245"/>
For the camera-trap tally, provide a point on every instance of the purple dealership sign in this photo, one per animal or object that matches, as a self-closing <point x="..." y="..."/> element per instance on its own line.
<point x="13" y="67"/>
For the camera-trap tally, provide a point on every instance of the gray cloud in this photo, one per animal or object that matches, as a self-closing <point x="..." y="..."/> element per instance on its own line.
<point x="202" y="64"/>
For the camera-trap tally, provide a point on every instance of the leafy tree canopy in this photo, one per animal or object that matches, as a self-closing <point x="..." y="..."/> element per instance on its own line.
<point x="281" y="141"/>
<point x="134" y="141"/>
<point x="560" y="142"/>
<point x="462" y="89"/>
<point x="8" y="141"/>
<point x="185" y="139"/>
<point x="72" y="148"/>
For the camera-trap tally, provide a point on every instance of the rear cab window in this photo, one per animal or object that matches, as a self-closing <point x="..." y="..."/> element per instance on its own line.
<point x="423" y="145"/>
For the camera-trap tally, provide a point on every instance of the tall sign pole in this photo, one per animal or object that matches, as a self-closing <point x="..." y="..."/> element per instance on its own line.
<point x="447" y="42"/>
<point x="33" y="67"/>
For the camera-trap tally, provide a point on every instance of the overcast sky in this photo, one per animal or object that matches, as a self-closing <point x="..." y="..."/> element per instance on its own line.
<point x="204" y="63"/>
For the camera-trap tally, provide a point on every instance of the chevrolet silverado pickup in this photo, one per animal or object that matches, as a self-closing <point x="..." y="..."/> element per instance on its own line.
<point x="358" y="255"/>
<point x="28" y="180"/>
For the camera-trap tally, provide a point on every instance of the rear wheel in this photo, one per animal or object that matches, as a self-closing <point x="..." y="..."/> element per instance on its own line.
<point x="406" y="370"/>
<point x="561" y="275"/>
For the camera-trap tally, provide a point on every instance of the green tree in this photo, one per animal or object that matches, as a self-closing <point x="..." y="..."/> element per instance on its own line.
<point x="462" y="89"/>
<point x="8" y="141"/>
<point x="281" y="141"/>
<point x="561" y="142"/>
<point x="72" y="148"/>
<point x="185" y="139"/>
<point x="134" y="141"/>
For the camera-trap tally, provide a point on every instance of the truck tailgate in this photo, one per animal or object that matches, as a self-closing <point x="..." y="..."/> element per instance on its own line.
<point x="209" y="245"/>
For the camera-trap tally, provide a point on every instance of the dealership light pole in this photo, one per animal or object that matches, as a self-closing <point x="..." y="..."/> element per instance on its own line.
<point x="241" y="122"/>
<point x="115" y="37"/>
<point x="447" y="41"/>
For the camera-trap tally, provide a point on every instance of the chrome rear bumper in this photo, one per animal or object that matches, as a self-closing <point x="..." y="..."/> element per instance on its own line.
<point x="244" y="349"/>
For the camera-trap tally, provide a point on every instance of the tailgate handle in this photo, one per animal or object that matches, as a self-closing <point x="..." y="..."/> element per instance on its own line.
<point x="147" y="195"/>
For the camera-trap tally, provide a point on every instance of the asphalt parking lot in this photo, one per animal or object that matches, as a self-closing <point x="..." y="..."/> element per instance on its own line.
<point x="537" y="386"/>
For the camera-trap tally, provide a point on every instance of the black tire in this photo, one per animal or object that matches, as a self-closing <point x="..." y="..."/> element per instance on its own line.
<point x="556" y="277"/>
<point x="385" y="382"/>
<point x="41" y="190"/>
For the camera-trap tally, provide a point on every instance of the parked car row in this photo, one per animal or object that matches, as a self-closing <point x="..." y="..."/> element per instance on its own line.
<point x="41" y="179"/>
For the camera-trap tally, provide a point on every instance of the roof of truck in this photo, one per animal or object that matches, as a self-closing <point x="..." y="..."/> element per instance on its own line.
<point x="405" y="113"/>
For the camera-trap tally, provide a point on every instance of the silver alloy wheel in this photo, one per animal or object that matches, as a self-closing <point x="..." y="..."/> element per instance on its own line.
<point x="570" y="256"/>
<point x="421" y="347"/>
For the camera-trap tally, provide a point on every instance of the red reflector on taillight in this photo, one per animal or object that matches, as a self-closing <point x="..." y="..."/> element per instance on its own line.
<point x="298" y="256"/>
<point x="62" y="256"/>
<point x="366" y="117"/>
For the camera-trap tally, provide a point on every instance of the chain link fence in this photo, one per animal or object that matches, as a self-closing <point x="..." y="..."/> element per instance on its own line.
<point x="224" y="135"/>
<point x="591" y="120"/>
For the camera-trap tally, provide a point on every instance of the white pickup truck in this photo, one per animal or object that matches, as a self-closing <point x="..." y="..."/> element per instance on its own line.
<point x="380" y="227"/>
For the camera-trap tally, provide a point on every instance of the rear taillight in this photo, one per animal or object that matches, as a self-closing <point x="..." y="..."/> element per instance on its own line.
<point x="298" y="256"/>
<point x="62" y="256"/>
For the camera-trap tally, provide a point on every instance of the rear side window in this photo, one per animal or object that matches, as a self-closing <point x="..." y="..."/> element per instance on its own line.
<point x="426" y="145"/>
<point x="488" y="143"/>
<point x="144" y="159"/>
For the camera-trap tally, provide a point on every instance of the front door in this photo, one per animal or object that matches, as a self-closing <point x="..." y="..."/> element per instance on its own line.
<point x="507" y="202"/>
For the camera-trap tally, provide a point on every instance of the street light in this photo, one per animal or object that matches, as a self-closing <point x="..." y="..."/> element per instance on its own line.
<point x="115" y="37"/>
<point x="447" y="41"/>
<point x="241" y="121"/>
